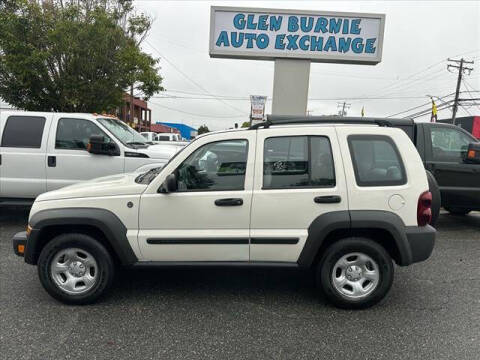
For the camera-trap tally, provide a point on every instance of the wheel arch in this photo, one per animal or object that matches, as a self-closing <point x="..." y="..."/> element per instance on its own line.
<point x="101" y="224"/>
<point x="385" y="228"/>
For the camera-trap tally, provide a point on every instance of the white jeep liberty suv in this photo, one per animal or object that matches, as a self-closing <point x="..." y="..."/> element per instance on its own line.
<point x="346" y="198"/>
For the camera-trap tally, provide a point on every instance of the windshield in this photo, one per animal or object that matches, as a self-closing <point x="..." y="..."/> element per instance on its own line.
<point x="124" y="133"/>
<point x="148" y="176"/>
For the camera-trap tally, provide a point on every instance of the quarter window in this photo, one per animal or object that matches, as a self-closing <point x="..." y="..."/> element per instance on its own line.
<point x="216" y="166"/>
<point x="74" y="134"/>
<point x="23" y="132"/>
<point x="297" y="162"/>
<point x="376" y="161"/>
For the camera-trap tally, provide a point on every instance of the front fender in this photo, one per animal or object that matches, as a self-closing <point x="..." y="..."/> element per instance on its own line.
<point x="107" y="222"/>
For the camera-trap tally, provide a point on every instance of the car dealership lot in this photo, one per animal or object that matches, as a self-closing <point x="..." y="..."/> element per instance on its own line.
<point x="432" y="312"/>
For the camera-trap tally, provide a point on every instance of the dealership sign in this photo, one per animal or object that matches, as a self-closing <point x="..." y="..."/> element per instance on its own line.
<point x="319" y="36"/>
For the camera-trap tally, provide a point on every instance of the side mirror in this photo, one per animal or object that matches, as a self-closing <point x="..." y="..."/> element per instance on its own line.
<point x="473" y="153"/>
<point x="98" y="145"/>
<point x="169" y="185"/>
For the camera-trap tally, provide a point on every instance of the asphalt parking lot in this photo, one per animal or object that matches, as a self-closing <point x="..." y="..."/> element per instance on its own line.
<point x="432" y="312"/>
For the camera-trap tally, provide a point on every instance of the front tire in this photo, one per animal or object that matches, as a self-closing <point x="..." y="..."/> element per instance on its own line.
<point x="75" y="269"/>
<point x="355" y="273"/>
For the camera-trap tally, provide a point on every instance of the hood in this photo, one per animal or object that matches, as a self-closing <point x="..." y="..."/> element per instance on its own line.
<point x="161" y="151"/>
<point x="123" y="184"/>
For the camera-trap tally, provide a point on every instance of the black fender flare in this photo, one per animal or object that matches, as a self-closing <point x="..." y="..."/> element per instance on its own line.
<point x="436" y="197"/>
<point x="351" y="220"/>
<point x="107" y="222"/>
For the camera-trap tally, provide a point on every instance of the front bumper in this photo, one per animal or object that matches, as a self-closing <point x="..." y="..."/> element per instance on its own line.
<point x="421" y="240"/>
<point x="19" y="242"/>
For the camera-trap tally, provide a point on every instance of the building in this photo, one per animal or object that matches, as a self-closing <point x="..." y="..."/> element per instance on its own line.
<point x="160" y="128"/>
<point x="142" y="115"/>
<point x="186" y="131"/>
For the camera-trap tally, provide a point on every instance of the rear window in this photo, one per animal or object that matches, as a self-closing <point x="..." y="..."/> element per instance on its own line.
<point x="23" y="132"/>
<point x="376" y="161"/>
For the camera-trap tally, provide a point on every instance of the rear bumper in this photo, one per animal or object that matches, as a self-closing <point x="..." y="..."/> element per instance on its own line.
<point x="421" y="240"/>
<point x="19" y="241"/>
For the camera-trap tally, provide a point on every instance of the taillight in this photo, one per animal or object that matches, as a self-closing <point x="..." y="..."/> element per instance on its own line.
<point x="424" y="209"/>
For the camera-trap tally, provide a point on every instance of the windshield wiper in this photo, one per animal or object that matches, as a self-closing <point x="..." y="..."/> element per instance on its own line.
<point x="149" y="175"/>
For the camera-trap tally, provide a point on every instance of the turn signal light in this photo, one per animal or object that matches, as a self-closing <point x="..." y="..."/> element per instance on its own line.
<point x="424" y="209"/>
<point x="471" y="154"/>
<point x="21" y="249"/>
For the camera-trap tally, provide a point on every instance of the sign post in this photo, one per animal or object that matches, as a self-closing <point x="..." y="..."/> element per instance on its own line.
<point x="293" y="39"/>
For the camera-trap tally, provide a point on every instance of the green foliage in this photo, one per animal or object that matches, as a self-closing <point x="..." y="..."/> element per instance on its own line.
<point x="74" y="56"/>
<point x="246" y="124"/>
<point x="202" y="129"/>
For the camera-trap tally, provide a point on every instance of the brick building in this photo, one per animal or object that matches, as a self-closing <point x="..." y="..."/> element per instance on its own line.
<point x="142" y="115"/>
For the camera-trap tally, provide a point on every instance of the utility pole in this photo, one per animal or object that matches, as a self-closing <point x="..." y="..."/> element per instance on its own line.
<point x="461" y="69"/>
<point x="132" y="123"/>
<point x="345" y="106"/>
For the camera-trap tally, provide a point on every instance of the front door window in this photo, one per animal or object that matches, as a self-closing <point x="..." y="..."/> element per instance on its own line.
<point x="216" y="166"/>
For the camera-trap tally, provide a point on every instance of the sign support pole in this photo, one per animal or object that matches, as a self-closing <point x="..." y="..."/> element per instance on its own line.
<point x="290" y="87"/>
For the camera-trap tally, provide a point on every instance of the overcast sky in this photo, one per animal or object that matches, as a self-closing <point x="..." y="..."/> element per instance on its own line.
<point x="419" y="37"/>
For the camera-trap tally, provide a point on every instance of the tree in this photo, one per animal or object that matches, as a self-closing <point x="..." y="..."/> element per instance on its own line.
<point x="246" y="124"/>
<point x="74" y="56"/>
<point x="202" y="129"/>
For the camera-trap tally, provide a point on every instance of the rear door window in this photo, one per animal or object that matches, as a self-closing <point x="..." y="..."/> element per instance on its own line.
<point x="449" y="144"/>
<point x="297" y="162"/>
<point x="23" y="132"/>
<point x="376" y="161"/>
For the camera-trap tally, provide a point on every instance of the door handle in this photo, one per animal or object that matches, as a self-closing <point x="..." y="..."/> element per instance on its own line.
<point x="52" y="161"/>
<point x="229" y="202"/>
<point x="329" y="199"/>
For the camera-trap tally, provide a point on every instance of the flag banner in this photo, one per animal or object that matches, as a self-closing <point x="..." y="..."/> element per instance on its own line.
<point x="434" y="112"/>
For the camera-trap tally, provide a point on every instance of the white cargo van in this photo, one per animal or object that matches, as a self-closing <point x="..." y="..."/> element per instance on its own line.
<point x="44" y="151"/>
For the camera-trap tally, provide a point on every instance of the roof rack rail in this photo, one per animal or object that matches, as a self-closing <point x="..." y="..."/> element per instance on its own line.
<point x="302" y="119"/>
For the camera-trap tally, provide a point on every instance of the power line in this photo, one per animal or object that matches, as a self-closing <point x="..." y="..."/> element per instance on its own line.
<point x="417" y="107"/>
<point x="191" y="80"/>
<point x="409" y="78"/>
<point x="396" y="86"/>
<point x="444" y="106"/>
<point x="200" y="115"/>
<point x="232" y="98"/>
<point x="467" y="86"/>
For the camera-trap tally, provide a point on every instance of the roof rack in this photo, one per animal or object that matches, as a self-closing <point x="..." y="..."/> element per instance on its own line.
<point x="301" y="119"/>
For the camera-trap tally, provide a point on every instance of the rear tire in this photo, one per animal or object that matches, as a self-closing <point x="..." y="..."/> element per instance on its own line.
<point x="75" y="269"/>
<point x="457" y="210"/>
<point x="355" y="273"/>
<point x="436" y="197"/>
